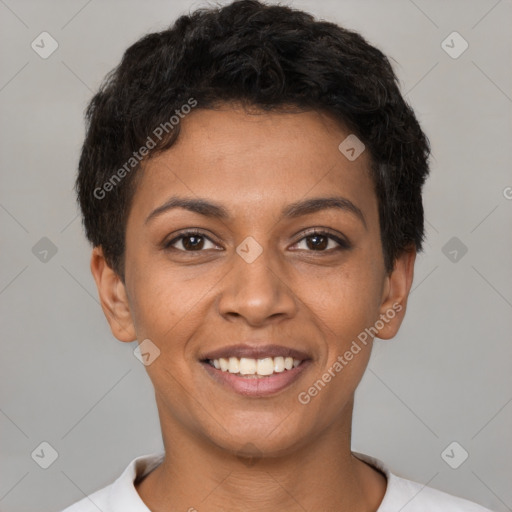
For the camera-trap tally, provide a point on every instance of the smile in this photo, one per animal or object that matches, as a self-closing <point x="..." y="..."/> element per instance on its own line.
<point x="255" y="369"/>
<point x="245" y="366"/>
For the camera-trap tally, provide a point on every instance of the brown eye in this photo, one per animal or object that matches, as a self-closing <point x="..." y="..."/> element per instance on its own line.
<point x="190" y="242"/>
<point x="193" y="243"/>
<point x="322" y="242"/>
<point x="317" y="242"/>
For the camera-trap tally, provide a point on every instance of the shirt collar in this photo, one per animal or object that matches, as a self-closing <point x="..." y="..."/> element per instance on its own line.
<point x="123" y="495"/>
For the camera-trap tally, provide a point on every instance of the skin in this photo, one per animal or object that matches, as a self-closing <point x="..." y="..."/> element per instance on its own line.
<point x="300" y="292"/>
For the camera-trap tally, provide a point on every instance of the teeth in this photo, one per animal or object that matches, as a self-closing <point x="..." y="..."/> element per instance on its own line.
<point x="265" y="366"/>
<point x="234" y="365"/>
<point x="279" y="364"/>
<point x="247" y="366"/>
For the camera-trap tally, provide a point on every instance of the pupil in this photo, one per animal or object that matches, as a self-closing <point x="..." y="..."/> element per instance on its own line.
<point x="316" y="244"/>
<point x="195" y="244"/>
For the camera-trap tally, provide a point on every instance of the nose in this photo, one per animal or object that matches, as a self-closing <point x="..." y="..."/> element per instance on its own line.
<point x="257" y="292"/>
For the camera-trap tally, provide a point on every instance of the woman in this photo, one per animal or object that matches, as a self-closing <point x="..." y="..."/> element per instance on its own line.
<point x="251" y="185"/>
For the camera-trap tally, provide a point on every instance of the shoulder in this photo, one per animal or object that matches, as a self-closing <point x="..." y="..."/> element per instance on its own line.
<point x="409" y="496"/>
<point x="121" y="495"/>
<point x="92" y="503"/>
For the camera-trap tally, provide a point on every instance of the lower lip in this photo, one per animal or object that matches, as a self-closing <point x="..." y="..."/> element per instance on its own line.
<point x="256" y="386"/>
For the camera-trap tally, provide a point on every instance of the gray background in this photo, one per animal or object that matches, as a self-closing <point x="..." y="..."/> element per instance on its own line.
<point x="446" y="377"/>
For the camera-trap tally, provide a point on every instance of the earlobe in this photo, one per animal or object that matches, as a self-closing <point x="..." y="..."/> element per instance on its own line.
<point x="113" y="298"/>
<point x="396" y="292"/>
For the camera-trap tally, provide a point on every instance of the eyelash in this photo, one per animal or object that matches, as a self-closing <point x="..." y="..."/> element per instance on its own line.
<point x="342" y="244"/>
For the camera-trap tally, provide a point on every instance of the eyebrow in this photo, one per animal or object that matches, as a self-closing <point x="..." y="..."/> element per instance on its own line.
<point x="323" y="203"/>
<point x="293" y="210"/>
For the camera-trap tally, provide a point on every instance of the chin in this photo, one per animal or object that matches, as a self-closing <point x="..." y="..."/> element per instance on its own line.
<point x="257" y="440"/>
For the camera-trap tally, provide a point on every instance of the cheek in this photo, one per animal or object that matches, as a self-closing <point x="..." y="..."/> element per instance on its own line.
<point x="344" y="304"/>
<point x="161" y="304"/>
<point x="345" y="301"/>
<point x="343" y="310"/>
<point x="169" y="307"/>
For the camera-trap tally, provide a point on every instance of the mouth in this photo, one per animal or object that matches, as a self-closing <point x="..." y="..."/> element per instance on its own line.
<point x="248" y="367"/>
<point x="255" y="371"/>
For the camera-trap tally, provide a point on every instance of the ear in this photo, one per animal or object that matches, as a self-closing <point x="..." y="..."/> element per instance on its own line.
<point x="113" y="297"/>
<point x="396" y="290"/>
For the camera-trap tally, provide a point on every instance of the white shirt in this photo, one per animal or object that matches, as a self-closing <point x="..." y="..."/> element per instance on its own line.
<point x="401" y="494"/>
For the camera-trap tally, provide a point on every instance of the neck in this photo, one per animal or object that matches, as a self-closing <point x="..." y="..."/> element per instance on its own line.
<point x="321" y="474"/>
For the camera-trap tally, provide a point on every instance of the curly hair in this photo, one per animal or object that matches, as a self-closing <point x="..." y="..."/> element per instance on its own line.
<point x="265" y="56"/>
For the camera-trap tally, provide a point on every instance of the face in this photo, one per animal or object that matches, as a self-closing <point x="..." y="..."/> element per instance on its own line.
<point x="254" y="237"/>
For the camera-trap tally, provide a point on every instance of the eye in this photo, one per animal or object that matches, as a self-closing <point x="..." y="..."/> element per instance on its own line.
<point x="190" y="241"/>
<point x="321" y="241"/>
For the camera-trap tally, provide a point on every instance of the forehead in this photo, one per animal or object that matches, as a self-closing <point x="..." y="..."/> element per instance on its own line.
<point x="248" y="160"/>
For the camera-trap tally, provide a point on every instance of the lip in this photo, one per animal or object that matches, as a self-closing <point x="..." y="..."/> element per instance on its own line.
<point x="255" y="352"/>
<point x="250" y="385"/>
<point x="256" y="386"/>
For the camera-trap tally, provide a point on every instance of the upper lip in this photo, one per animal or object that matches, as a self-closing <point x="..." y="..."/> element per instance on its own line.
<point x="255" y="352"/>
